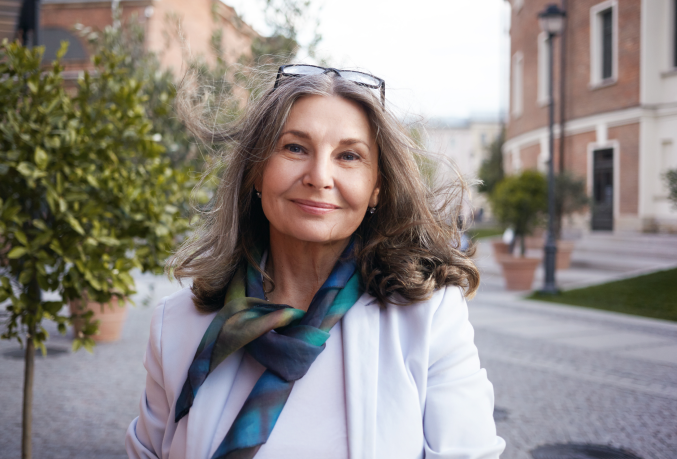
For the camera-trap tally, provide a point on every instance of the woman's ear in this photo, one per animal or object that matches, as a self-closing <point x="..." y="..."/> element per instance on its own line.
<point x="373" y="200"/>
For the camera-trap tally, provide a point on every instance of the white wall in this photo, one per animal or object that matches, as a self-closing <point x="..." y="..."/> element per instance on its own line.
<point x="658" y="148"/>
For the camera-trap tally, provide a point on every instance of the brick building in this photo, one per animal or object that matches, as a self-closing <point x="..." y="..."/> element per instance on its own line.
<point x="174" y="28"/>
<point x="619" y="121"/>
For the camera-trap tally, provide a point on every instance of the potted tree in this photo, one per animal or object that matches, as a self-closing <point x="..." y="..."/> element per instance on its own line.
<point x="570" y="197"/>
<point x="518" y="202"/>
<point x="86" y="196"/>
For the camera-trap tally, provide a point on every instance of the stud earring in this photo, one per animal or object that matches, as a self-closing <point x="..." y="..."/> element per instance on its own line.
<point x="258" y="193"/>
<point x="372" y="210"/>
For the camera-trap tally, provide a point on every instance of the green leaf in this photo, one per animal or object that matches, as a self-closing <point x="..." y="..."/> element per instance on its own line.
<point x="26" y="169"/>
<point x="75" y="224"/>
<point x="17" y="252"/>
<point x="26" y="276"/>
<point x="52" y="307"/>
<point x="92" y="181"/>
<point x="21" y="237"/>
<point x="41" y="158"/>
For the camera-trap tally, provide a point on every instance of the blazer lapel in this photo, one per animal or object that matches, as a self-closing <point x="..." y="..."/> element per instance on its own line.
<point x="205" y="414"/>
<point x="360" y="330"/>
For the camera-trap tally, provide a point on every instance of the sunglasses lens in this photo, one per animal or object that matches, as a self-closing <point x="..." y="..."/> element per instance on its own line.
<point x="303" y="70"/>
<point x="361" y="78"/>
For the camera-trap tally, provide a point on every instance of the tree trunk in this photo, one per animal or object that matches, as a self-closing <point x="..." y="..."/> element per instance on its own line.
<point x="29" y="368"/>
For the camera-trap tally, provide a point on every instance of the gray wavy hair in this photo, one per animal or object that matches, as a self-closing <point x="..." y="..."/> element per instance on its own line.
<point x="405" y="251"/>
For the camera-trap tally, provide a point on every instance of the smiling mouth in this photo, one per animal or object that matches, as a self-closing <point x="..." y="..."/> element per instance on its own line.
<point x="314" y="207"/>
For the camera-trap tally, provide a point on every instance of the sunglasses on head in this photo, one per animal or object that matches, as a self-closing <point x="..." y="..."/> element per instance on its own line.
<point x="361" y="78"/>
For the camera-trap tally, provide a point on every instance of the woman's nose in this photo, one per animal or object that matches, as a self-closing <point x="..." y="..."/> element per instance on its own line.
<point x="319" y="174"/>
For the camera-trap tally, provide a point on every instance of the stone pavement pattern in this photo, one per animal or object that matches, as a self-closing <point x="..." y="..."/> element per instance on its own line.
<point x="563" y="374"/>
<point x="568" y="375"/>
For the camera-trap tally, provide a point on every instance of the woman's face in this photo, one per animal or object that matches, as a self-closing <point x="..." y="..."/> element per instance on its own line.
<point x="323" y="174"/>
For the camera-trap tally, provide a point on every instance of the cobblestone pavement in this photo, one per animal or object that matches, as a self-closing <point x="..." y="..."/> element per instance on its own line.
<point x="562" y="374"/>
<point x="566" y="374"/>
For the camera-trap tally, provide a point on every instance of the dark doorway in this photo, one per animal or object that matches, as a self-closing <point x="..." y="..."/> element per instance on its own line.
<point x="603" y="190"/>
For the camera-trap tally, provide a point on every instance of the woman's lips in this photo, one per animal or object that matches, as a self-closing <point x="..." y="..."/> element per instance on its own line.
<point x="314" y="207"/>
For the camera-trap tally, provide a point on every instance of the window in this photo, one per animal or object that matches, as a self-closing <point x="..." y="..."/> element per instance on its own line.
<point x="607" y="43"/>
<point x="543" y="70"/>
<point x="517" y="102"/>
<point x="604" y="43"/>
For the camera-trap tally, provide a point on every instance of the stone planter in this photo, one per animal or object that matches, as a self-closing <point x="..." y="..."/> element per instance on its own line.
<point x="111" y="317"/>
<point x="518" y="272"/>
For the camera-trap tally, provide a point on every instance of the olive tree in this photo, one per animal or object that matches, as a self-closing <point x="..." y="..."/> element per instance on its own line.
<point x="87" y="195"/>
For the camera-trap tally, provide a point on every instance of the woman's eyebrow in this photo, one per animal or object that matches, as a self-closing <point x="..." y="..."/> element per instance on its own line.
<point x="301" y="134"/>
<point x="345" y="142"/>
<point x="305" y="135"/>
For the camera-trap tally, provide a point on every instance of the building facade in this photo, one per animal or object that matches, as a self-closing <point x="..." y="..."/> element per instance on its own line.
<point x="615" y="95"/>
<point x="174" y="29"/>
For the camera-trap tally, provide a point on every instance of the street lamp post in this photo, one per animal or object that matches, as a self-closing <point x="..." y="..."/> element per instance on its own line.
<point x="552" y="22"/>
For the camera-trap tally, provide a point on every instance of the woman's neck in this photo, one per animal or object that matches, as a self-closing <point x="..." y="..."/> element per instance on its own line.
<point x="299" y="268"/>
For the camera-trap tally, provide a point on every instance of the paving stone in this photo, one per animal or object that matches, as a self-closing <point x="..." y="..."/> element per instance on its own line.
<point x="661" y="354"/>
<point x="613" y="341"/>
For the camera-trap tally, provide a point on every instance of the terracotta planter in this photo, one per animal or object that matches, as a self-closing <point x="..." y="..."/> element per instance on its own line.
<point x="564" y="249"/>
<point x="518" y="272"/>
<point x="534" y="242"/>
<point x="111" y="318"/>
<point x="500" y="248"/>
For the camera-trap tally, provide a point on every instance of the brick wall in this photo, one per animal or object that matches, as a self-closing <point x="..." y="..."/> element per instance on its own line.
<point x="581" y="100"/>
<point x="95" y="15"/>
<point x="524" y="34"/>
<point x="529" y="157"/>
<point x="194" y="21"/>
<point x="576" y="153"/>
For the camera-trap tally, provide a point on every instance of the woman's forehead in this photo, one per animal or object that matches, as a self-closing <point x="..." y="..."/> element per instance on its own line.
<point x="319" y="114"/>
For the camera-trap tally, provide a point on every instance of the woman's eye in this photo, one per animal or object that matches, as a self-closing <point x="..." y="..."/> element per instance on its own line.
<point x="294" y="148"/>
<point x="350" y="156"/>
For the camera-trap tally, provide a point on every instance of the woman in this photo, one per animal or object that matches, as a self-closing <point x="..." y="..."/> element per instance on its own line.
<point x="321" y="207"/>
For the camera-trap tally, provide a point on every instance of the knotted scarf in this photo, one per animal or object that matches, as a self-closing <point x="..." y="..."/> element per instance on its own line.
<point x="284" y="340"/>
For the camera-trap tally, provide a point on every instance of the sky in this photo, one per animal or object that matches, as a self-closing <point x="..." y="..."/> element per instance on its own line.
<point x="439" y="58"/>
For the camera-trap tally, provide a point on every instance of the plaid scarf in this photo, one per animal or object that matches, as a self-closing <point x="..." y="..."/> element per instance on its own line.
<point x="284" y="340"/>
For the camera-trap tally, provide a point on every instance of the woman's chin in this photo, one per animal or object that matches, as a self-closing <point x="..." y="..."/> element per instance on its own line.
<point x="312" y="235"/>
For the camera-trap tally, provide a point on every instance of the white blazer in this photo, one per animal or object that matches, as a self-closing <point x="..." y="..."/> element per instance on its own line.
<point x="413" y="382"/>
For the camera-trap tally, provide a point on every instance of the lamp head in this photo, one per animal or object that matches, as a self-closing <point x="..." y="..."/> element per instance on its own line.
<point x="552" y="20"/>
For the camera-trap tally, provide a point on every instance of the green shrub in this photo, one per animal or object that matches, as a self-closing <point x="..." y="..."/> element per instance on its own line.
<point x="670" y="178"/>
<point x="519" y="201"/>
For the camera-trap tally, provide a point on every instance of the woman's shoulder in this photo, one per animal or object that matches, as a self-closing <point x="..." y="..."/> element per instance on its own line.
<point x="177" y="316"/>
<point x="448" y="299"/>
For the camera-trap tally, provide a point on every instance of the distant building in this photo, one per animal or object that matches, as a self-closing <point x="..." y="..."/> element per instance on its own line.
<point x="465" y="143"/>
<point x="620" y="105"/>
<point x="200" y="24"/>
